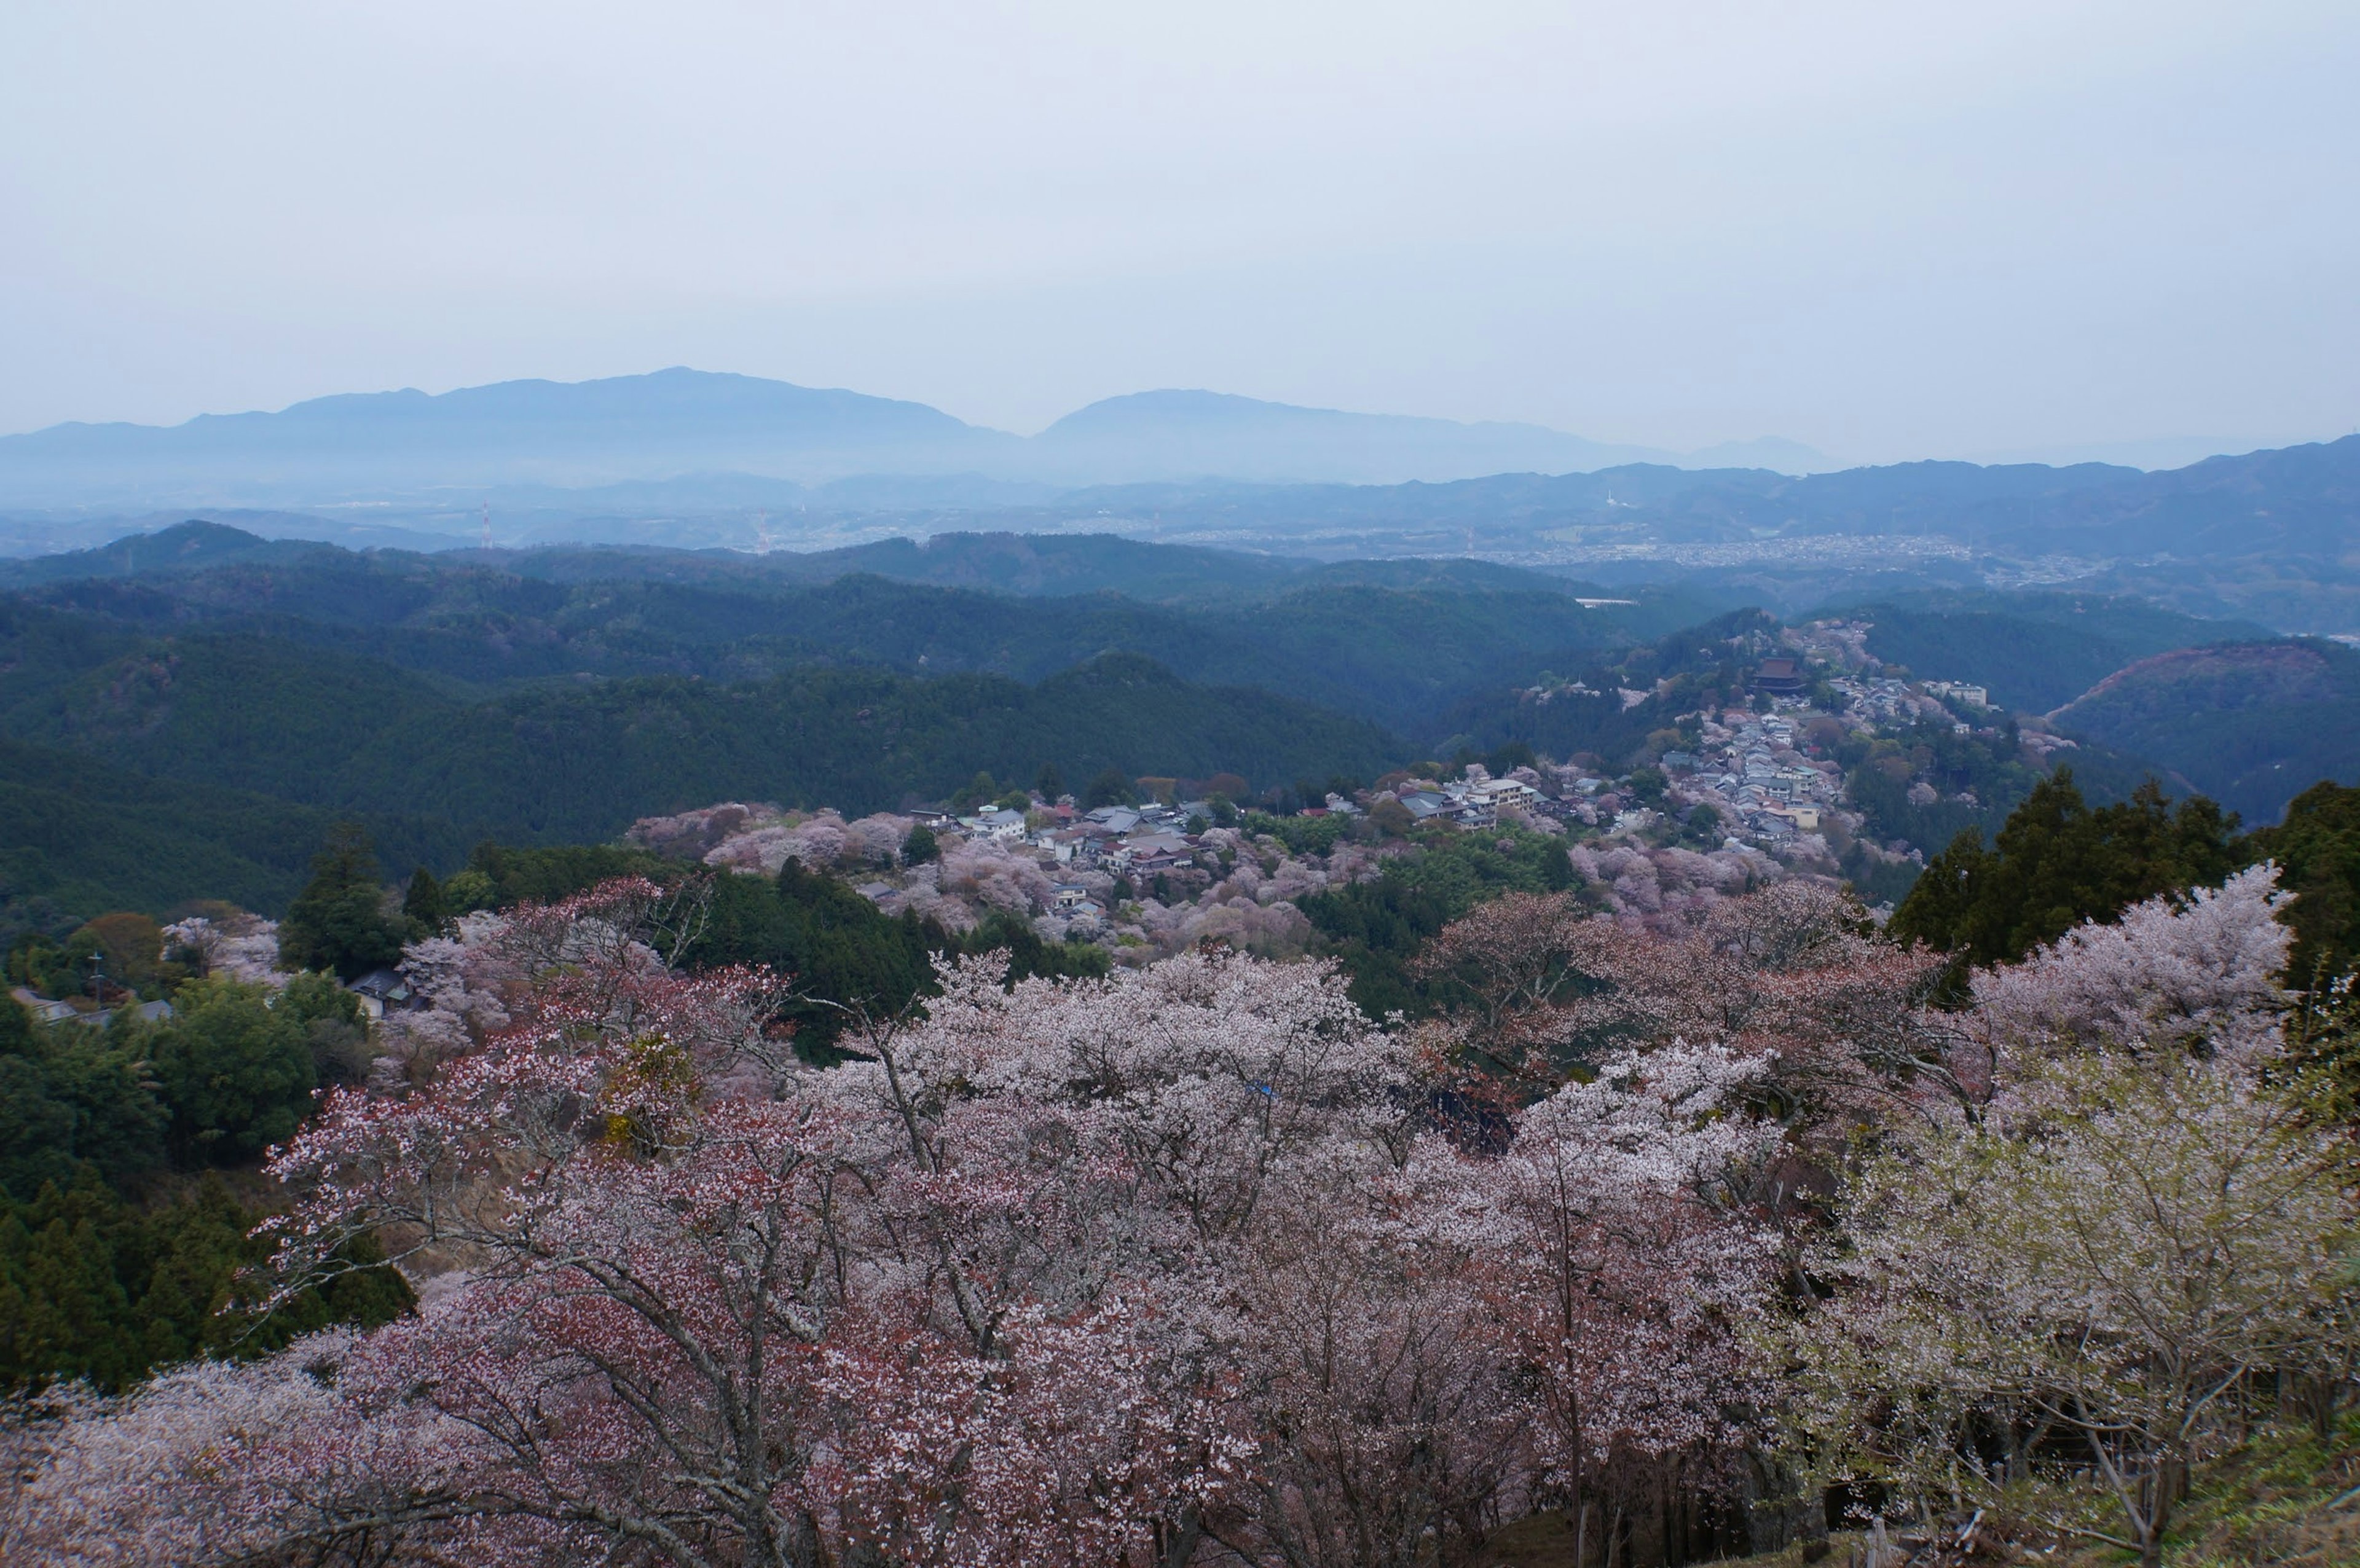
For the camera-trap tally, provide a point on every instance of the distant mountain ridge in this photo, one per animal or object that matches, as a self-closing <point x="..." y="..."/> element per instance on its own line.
<point x="1174" y="434"/>
<point x="574" y="433"/>
<point x="678" y="422"/>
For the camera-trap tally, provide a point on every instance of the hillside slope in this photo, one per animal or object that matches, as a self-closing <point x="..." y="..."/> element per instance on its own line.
<point x="1392" y="642"/>
<point x="579" y="759"/>
<point x="2033" y="651"/>
<point x="2251" y="725"/>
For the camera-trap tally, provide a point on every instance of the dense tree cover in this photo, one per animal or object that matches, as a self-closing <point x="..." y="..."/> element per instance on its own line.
<point x="1880" y="771"/>
<point x="579" y="762"/>
<point x="235" y="1065"/>
<point x="1113" y="787"/>
<point x="1194" y="1264"/>
<point x="231" y="1071"/>
<point x="2050" y="1302"/>
<point x="1375" y="930"/>
<point x="104" y="1273"/>
<point x="79" y="835"/>
<point x="2033" y="651"/>
<point x="1302" y="835"/>
<point x="2317" y="849"/>
<point x="1707" y="665"/>
<point x="2058" y="862"/>
<point x="339" y="924"/>
<point x="2248" y="723"/>
<point x="543" y="874"/>
<point x="120" y="953"/>
<point x="848" y="960"/>
<point x="72" y="1098"/>
<point x="96" y="1288"/>
<point x="1392" y="651"/>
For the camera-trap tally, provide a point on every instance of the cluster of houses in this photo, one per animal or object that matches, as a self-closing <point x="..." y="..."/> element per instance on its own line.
<point x="1135" y="841"/>
<point x="1473" y="802"/>
<point x="1129" y="839"/>
<point x="1748" y="768"/>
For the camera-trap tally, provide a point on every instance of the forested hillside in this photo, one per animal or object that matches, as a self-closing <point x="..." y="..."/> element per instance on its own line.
<point x="578" y="760"/>
<point x="2249" y="724"/>
<point x="83" y="834"/>
<point x="1392" y="642"/>
<point x="2033" y="651"/>
<point x="558" y="695"/>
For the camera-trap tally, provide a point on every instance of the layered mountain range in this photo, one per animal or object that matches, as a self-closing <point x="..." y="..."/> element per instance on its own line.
<point x="679" y="422"/>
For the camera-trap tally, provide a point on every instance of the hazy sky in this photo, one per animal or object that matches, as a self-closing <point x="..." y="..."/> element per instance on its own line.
<point x="1890" y="230"/>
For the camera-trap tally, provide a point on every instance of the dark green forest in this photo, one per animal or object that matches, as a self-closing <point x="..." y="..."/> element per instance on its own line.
<point x="122" y="1236"/>
<point x="2248" y="724"/>
<point x="186" y="713"/>
<point x="1391" y="642"/>
<point x="2033" y="651"/>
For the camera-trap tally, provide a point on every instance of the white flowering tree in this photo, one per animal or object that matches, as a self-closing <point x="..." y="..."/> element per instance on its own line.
<point x="2092" y="1275"/>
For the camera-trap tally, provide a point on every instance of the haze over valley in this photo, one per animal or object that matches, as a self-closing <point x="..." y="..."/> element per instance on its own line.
<point x="1326" y="786"/>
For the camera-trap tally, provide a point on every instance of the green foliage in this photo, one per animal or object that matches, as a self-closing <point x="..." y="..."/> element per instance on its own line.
<point x="81" y="833"/>
<point x="422" y="905"/>
<point x="577" y="762"/>
<point x="2033" y="651"/>
<point x="1876" y="880"/>
<point x="1703" y="666"/>
<point x="1301" y="836"/>
<point x="545" y="874"/>
<point x="1374" y="929"/>
<point x="846" y="957"/>
<point x="95" y="1287"/>
<point x="1110" y="788"/>
<point x="469" y="890"/>
<point x="2317" y="849"/>
<point x="1049" y="783"/>
<point x="1029" y="955"/>
<point x="843" y="953"/>
<point x="1505" y="759"/>
<point x="2057" y="863"/>
<point x="2250" y="724"/>
<point x="1879" y="773"/>
<point x="338" y="922"/>
<point x="73" y="1097"/>
<point x="235" y="1071"/>
<point x="40" y="963"/>
<point x="335" y="1030"/>
<point x="1385" y="641"/>
<point x="920" y="846"/>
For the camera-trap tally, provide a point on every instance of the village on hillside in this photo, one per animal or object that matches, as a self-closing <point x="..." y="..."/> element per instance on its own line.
<point x="1146" y="867"/>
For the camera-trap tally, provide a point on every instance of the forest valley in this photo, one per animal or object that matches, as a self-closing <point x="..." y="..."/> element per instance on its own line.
<point x="1688" y="1237"/>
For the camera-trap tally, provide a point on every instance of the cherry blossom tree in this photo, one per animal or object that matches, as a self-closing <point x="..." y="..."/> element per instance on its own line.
<point x="1790" y="973"/>
<point x="1632" y="1264"/>
<point x="2147" y="1217"/>
<point x="1171" y="1267"/>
